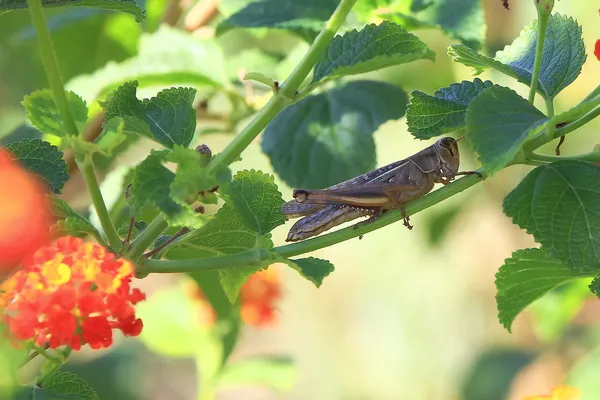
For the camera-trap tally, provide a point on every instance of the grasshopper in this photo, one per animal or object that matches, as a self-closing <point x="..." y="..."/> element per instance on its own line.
<point x="375" y="192"/>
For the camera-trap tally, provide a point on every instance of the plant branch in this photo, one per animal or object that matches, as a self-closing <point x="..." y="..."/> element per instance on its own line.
<point x="51" y="66"/>
<point x="146" y="238"/>
<point x="260" y="256"/>
<point x="250" y="257"/>
<point x="288" y="89"/>
<point x="89" y="176"/>
<point x="539" y="49"/>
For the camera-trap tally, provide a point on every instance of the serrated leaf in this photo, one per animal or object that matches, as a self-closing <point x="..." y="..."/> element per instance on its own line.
<point x="151" y="187"/>
<point x="272" y="372"/>
<point x="225" y="234"/>
<point x="43" y="114"/>
<point x="166" y="57"/>
<point x="69" y="383"/>
<point x="305" y="18"/>
<point x="71" y="221"/>
<point x="459" y="19"/>
<point x="430" y="116"/>
<point x="255" y="197"/>
<point x="595" y="286"/>
<point x="331" y="132"/>
<point x="499" y="121"/>
<point x="558" y="204"/>
<point x="311" y="268"/>
<point x="43" y="159"/>
<point x="168" y="118"/>
<point x="111" y="138"/>
<point x="562" y="58"/>
<point x="192" y="178"/>
<point x="517" y="204"/>
<point x="524" y="278"/>
<point x="126" y="6"/>
<point x="373" y="47"/>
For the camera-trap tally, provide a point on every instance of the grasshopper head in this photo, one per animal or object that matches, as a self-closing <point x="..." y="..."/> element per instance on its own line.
<point x="447" y="149"/>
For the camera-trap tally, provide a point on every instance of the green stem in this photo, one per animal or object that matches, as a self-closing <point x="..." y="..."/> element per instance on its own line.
<point x="593" y="93"/>
<point x="146" y="238"/>
<point x="539" y="49"/>
<point x="51" y="66"/>
<point x="247" y="258"/>
<point x="592" y="156"/>
<point x="89" y="176"/>
<point x="259" y="256"/>
<point x="287" y="90"/>
<point x="574" y="125"/>
<point x="57" y="364"/>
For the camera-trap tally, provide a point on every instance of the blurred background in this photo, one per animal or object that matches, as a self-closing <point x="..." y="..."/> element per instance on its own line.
<point x="406" y="314"/>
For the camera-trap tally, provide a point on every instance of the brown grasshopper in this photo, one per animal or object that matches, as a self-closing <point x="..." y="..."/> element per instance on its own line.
<point x="375" y="192"/>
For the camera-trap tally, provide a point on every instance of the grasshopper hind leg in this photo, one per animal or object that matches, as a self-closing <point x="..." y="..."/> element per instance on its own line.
<point x="406" y="218"/>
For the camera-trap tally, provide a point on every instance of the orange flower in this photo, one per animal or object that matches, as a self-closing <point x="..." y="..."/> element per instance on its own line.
<point x="25" y="217"/>
<point x="258" y="296"/>
<point x="71" y="293"/>
<point x="561" y="392"/>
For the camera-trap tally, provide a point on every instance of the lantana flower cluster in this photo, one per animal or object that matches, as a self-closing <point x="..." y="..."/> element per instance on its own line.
<point x="258" y="298"/>
<point x="71" y="293"/>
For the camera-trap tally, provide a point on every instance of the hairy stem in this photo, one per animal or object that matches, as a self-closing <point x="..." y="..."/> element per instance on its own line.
<point x="539" y="49"/>
<point x="89" y="176"/>
<point x="287" y="90"/>
<point x="245" y="258"/>
<point x="51" y="66"/>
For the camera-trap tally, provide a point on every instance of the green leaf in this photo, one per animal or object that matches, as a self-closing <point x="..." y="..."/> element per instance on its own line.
<point x="499" y="121"/>
<point x="170" y="326"/>
<point x="224" y="234"/>
<point x="126" y="6"/>
<point x="152" y="187"/>
<point x="313" y="269"/>
<point x="110" y="140"/>
<point x="524" y="278"/>
<point x="43" y="159"/>
<point x="430" y="116"/>
<point x="562" y="58"/>
<point x="137" y="228"/>
<point x="168" y="118"/>
<point x="192" y="178"/>
<point x="459" y="19"/>
<point x="69" y="383"/>
<point x="373" y="47"/>
<point x="72" y="222"/>
<point x="305" y="18"/>
<point x="255" y="197"/>
<point x="166" y="57"/>
<point x="275" y="373"/>
<point x="43" y="114"/>
<point x="331" y="133"/>
<point x="558" y="204"/>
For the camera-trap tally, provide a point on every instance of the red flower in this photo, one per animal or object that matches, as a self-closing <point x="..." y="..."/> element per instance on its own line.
<point x="597" y="50"/>
<point x="71" y="293"/>
<point x="258" y="296"/>
<point x="25" y="217"/>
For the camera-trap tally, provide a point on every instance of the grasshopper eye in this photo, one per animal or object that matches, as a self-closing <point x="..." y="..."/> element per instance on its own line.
<point x="448" y="144"/>
<point x="300" y="195"/>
